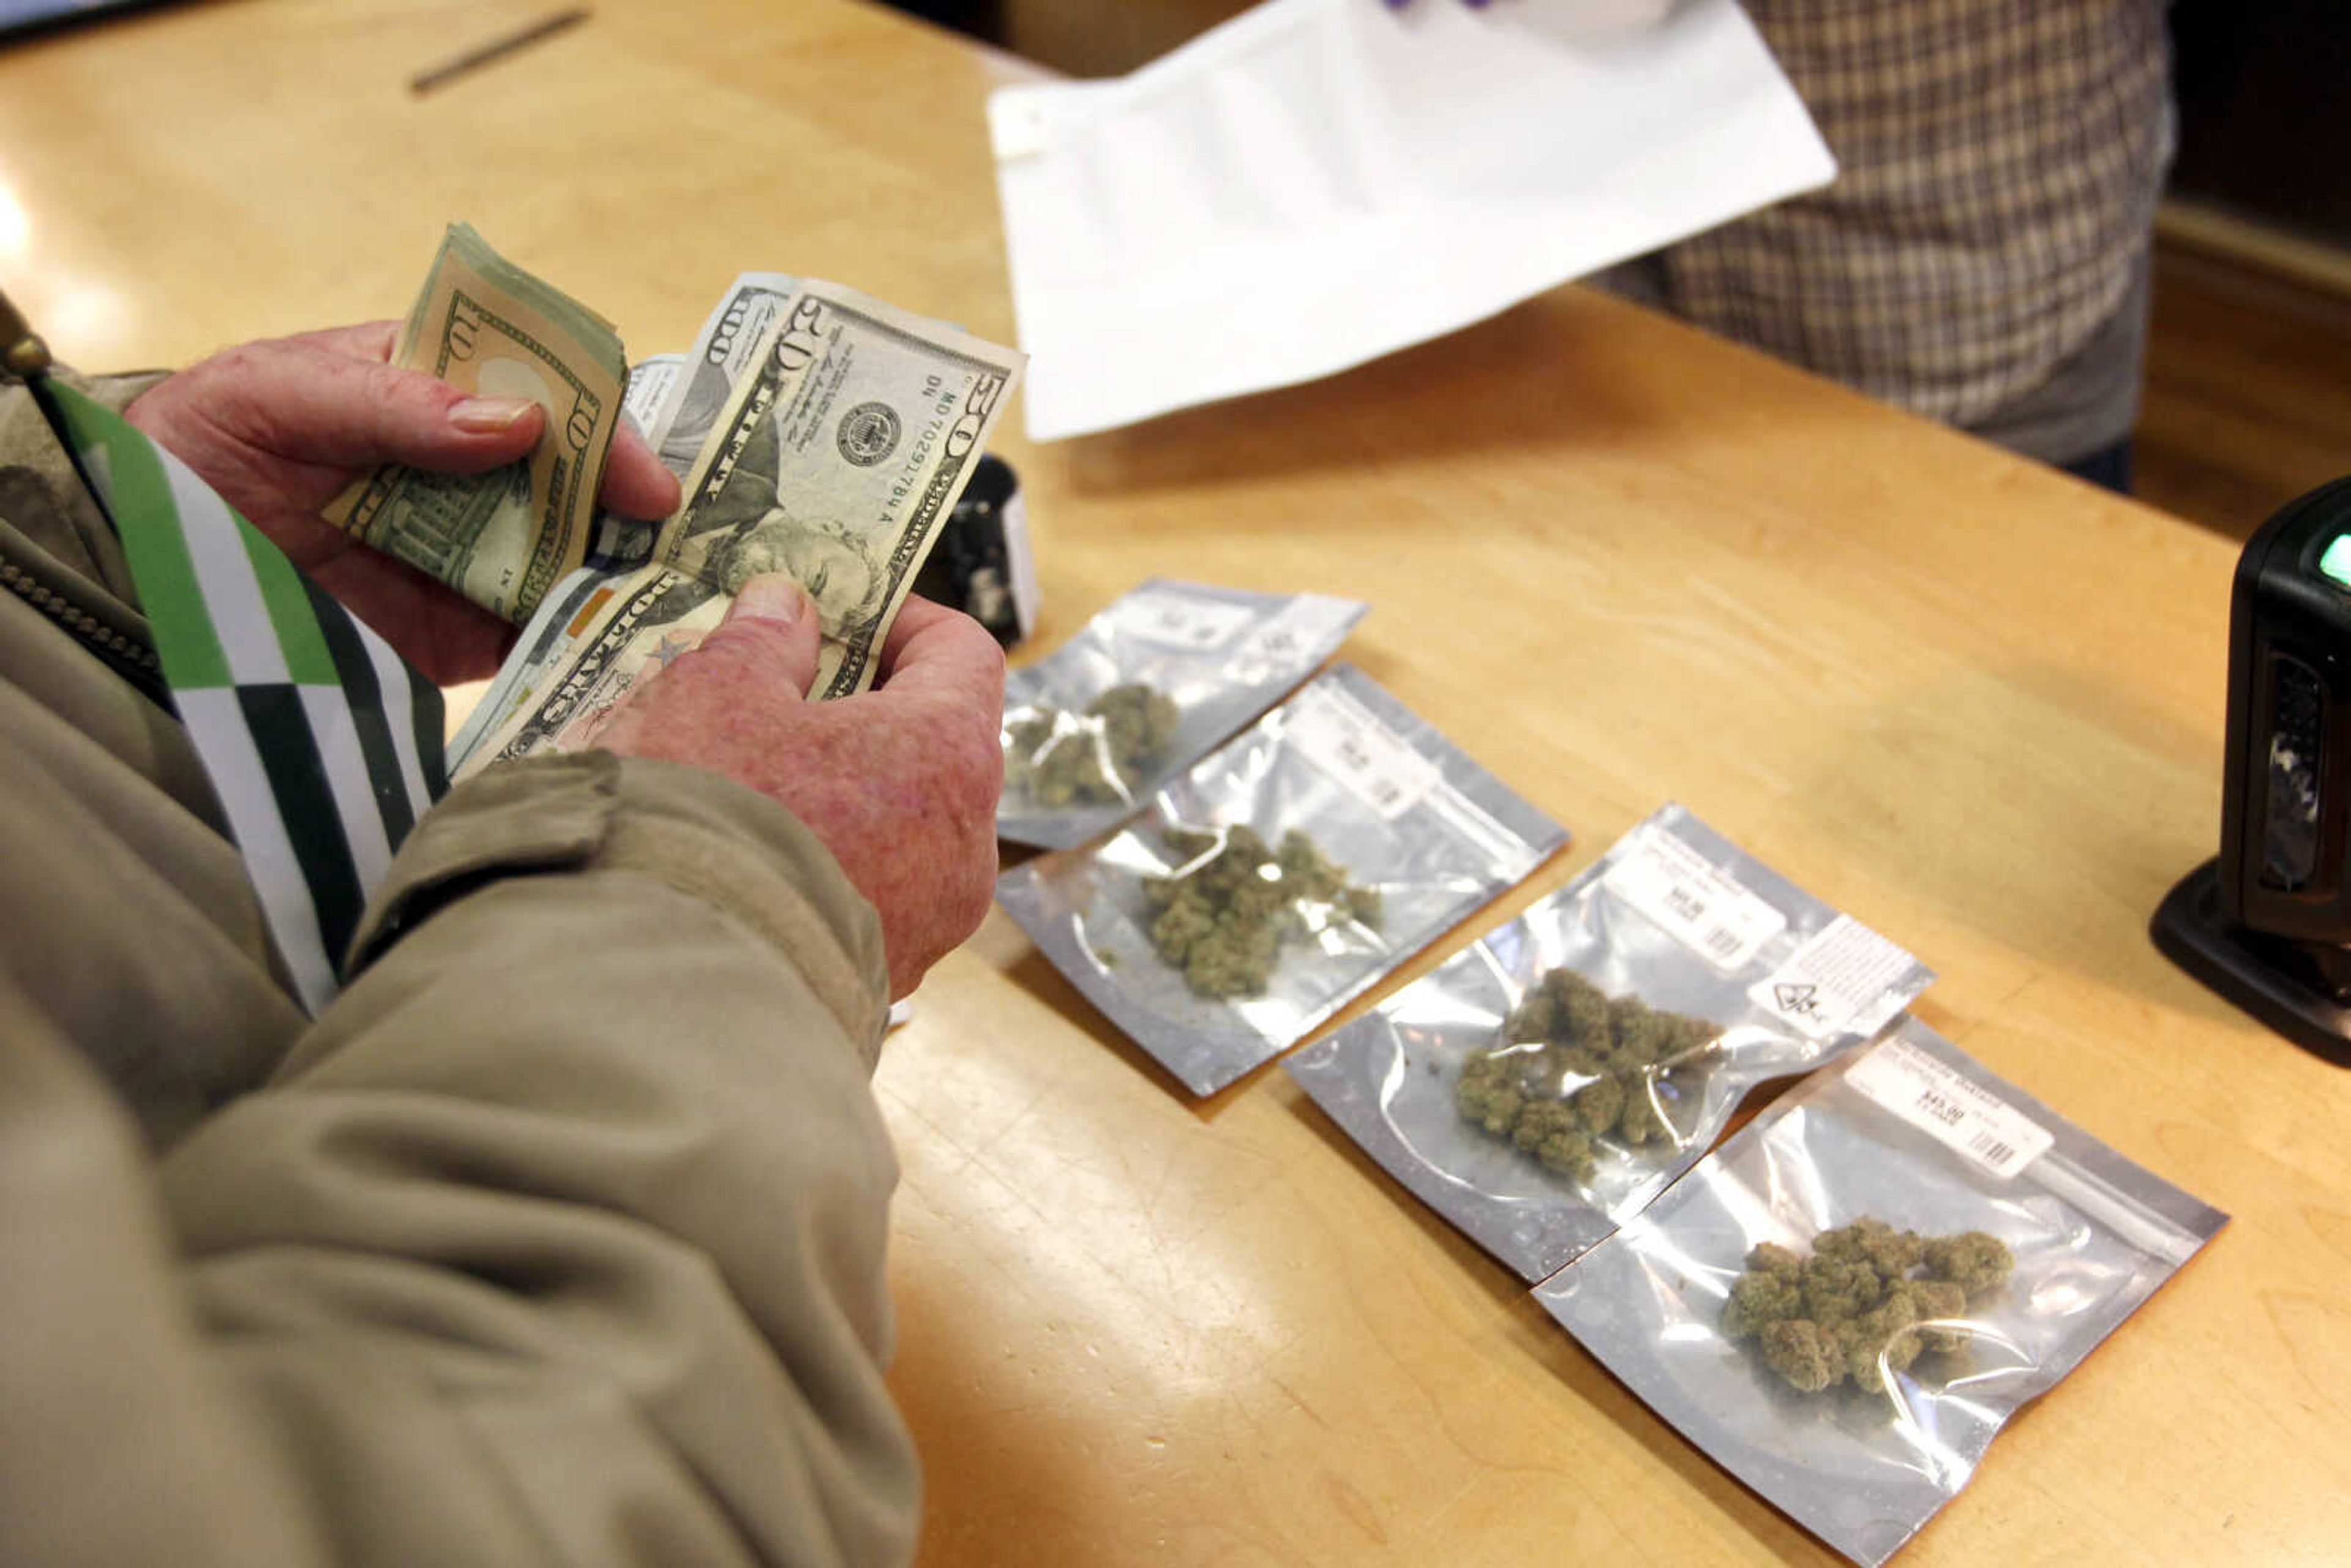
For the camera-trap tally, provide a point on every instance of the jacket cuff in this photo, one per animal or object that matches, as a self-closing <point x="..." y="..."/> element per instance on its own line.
<point x="702" y="834"/>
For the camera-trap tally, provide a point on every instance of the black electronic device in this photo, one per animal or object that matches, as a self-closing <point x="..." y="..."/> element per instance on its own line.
<point x="2267" y="923"/>
<point x="980" y="563"/>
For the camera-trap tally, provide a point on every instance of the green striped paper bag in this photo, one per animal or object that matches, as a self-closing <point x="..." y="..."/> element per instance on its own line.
<point x="324" y="746"/>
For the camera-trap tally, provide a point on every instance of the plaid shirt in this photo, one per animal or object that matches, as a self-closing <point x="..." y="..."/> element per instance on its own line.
<point x="1999" y="163"/>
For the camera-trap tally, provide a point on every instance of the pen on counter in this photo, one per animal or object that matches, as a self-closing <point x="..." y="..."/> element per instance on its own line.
<point x="497" y="48"/>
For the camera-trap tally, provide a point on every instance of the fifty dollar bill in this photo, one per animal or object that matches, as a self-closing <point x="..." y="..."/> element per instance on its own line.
<point x="844" y="437"/>
<point x="836" y="461"/>
<point x="710" y="370"/>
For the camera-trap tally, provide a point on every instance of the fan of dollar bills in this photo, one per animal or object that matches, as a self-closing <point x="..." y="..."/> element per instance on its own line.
<point x="816" y="431"/>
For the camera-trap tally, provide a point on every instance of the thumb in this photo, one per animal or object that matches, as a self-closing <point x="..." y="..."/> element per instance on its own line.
<point x="774" y="629"/>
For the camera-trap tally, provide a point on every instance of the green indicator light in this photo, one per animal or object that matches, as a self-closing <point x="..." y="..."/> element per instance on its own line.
<point x="2336" y="560"/>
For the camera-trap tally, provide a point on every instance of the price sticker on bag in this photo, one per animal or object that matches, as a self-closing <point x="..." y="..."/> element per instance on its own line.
<point x="1696" y="901"/>
<point x="1191" y="625"/>
<point x="1347" y="741"/>
<point x="1296" y="635"/>
<point x="1847" y="979"/>
<point x="1951" y="1108"/>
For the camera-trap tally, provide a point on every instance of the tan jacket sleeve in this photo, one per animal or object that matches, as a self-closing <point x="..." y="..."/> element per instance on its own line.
<point x="558" y="1238"/>
<point x="40" y="493"/>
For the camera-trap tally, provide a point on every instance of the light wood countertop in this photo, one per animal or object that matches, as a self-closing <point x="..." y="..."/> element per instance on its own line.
<point x="1969" y="700"/>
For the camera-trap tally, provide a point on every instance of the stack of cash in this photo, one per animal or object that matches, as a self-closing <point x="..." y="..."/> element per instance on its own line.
<point x="815" y="431"/>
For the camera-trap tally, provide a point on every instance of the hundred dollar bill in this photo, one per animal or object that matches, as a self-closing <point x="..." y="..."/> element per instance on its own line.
<point x="541" y="652"/>
<point x="836" y="461"/>
<point x="714" y="366"/>
<point x="674" y="399"/>
<point x="609" y="634"/>
<point x="501" y="538"/>
<point x="621" y="544"/>
<point x="649" y="388"/>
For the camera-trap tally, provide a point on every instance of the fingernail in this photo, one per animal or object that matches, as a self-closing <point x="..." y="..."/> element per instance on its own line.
<point x="771" y="596"/>
<point x="489" y="415"/>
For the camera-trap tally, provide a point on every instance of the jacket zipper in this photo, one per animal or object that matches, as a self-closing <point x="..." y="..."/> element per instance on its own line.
<point x="130" y="657"/>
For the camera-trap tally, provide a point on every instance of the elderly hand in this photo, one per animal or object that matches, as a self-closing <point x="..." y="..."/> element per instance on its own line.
<point x="281" y="428"/>
<point x="900" y="782"/>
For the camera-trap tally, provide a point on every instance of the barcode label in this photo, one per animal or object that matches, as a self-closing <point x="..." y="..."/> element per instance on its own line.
<point x="1192" y="625"/>
<point x="1847" y="979"/>
<point x="1992" y="1151"/>
<point x="1700" y="904"/>
<point x="1343" y="738"/>
<point x="1949" y="1107"/>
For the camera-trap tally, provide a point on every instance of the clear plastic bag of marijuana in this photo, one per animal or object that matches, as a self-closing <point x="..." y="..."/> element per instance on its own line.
<point x="1142" y="692"/>
<point x="1544" y="1085"/>
<point x="1279" y="878"/>
<point x="1844" y="1304"/>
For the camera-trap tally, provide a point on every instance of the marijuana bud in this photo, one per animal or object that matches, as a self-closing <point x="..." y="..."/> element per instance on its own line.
<point x="1095" y="757"/>
<point x="1864" y="1304"/>
<point x="1222" y="920"/>
<point x="1798" y="1351"/>
<point x="1575" y="1065"/>
<point x="1971" y="1260"/>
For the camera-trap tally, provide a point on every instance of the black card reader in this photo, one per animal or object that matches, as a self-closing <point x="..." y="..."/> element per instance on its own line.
<point x="2267" y="923"/>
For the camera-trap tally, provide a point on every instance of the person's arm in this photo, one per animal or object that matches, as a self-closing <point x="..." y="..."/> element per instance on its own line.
<point x="560" y="1238"/>
<point x="572" y="1208"/>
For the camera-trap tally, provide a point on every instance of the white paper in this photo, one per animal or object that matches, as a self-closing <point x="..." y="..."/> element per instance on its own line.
<point x="1318" y="182"/>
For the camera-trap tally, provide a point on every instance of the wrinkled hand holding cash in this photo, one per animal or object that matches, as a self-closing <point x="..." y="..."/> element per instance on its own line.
<point x="816" y="431"/>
